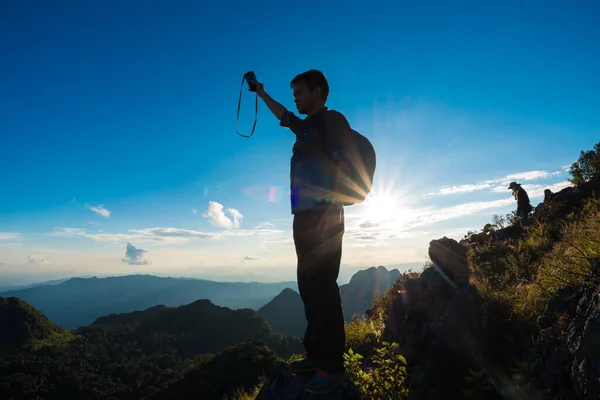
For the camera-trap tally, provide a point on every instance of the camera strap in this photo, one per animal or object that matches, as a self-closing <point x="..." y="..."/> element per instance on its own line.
<point x="237" y="120"/>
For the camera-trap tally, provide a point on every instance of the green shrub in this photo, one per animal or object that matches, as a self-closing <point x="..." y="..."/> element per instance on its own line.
<point x="384" y="378"/>
<point x="587" y="166"/>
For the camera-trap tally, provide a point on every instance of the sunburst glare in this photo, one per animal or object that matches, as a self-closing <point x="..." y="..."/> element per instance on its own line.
<point x="386" y="205"/>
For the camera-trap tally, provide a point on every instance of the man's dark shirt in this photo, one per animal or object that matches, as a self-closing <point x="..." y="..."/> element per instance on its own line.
<point x="312" y="176"/>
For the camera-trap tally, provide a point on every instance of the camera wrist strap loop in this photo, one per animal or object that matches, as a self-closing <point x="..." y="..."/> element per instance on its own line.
<point x="237" y="120"/>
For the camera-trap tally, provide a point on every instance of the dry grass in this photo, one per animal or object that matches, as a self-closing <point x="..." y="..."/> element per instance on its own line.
<point x="525" y="276"/>
<point x="575" y="255"/>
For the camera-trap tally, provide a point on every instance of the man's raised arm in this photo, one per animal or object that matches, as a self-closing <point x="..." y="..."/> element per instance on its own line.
<point x="276" y="108"/>
<point x="286" y="118"/>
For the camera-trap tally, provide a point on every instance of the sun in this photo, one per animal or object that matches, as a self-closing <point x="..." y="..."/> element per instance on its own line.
<point x="380" y="206"/>
<point x="387" y="206"/>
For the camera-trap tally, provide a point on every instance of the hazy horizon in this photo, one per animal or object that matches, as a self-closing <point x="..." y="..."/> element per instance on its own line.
<point x="121" y="156"/>
<point x="259" y="275"/>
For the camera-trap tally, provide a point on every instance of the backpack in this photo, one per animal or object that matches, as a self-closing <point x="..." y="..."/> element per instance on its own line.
<point x="362" y="163"/>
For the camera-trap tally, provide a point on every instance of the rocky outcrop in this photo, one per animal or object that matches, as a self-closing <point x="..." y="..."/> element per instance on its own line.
<point x="568" y="200"/>
<point x="451" y="258"/>
<point x="285" y="385"/>
<point x="568" y="347"/>
<point x="440" y="323"/>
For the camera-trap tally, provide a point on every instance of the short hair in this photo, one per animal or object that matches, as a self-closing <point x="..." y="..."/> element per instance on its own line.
<point x="313" y="79"/>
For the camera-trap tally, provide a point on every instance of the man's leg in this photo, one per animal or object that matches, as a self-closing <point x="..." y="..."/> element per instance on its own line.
<point x="325" y="303"/>
<point x="305" y="240"/>
<point x="329" y="319"/>
<point x="319" y="255"/>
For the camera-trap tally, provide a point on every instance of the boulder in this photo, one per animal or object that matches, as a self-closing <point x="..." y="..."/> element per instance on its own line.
<point x="451" y="258"/>
<point x="440" y="322"/>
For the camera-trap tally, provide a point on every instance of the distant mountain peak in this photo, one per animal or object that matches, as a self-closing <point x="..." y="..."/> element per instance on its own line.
<point x="288" y="292"/>
<point x="285" y="313"/>
<point x="372" y="273"/>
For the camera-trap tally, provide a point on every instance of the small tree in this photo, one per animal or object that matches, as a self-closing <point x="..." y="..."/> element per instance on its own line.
<point x="499" y="221"/>
<point x="587" y="166"/>
<point x="512" y="218"/>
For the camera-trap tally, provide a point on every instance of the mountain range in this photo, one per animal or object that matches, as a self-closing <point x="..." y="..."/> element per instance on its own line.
<point x="159" y="351"/>
<point x="198" y="348"/>
<point x="80" y="301"/>
<point x="7" y="288"/>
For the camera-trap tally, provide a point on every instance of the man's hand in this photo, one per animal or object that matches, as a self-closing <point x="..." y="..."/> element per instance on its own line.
<point x="259" y="89"/>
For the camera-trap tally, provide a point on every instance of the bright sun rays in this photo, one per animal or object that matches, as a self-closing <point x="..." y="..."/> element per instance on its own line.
<point x="386" y="204"/>
<point x="380" y="206"/>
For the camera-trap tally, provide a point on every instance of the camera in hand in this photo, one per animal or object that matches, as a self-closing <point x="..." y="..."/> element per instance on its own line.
<point x="250" y="77"/>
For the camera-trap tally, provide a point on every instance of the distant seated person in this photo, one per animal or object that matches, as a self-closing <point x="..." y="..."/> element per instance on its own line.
<point x="523" y="205"/>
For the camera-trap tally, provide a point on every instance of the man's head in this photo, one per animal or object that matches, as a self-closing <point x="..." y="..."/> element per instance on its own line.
<point x="513" y="185"/>
<point x="310" y="91"/>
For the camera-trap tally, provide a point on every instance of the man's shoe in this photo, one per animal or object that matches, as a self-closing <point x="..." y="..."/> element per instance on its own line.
<point x="323" y="382"/>
<point x="304" y="365"/>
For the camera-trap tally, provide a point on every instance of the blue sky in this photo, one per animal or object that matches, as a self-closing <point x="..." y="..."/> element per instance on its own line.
<point x="118" y="126"/>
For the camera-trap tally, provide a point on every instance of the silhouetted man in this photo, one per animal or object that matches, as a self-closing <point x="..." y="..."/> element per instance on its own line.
<point x="523" y="205"/>
<point x="318" y="223"/>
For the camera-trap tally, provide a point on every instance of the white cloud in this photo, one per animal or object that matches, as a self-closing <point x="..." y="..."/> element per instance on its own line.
<point x="495" y="184"/>
<point x="218" y="217"/>
<point x="265" y="225"/>
<point x="281" y="239"/>
<point x="526" y="176"/>
<point x="460" y="210"/>
<point x="194" y="211"/>
<point x="10" y="236"/>
<point x="172" y="233"/>
<point x="248" y="232"/>
<point x="134" y="256"/>
<point x="369" y="224"/>
<point x="37" y="260"/>
<point x="99" y="210"/>
<point x="167" y="235"/>
<point x="67" y="232"/>
<point x="501" y="189"/>
<point x="461" y="189"/>
<point x="148" y="234"/>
